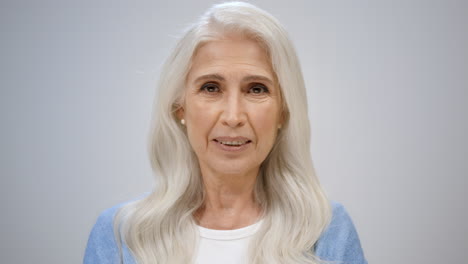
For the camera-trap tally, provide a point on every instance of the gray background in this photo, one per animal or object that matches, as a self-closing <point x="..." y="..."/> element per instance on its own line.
<point x="388" y="97"/>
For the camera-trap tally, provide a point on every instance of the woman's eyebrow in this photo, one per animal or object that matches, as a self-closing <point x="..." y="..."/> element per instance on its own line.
<point x="210" y="77"/>
<point x="245" y="79"/>
<point x="257" y="78"/>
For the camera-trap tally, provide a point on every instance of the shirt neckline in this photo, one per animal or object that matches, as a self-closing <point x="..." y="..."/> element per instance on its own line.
<point x="233" y="234"/>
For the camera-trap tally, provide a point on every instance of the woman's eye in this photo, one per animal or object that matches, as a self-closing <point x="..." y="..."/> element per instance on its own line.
<point x="210" y="88"/>
<point x="258" y="89"/>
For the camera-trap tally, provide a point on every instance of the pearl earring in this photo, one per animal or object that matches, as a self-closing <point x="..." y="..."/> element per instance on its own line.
<point x="182" y="121"/>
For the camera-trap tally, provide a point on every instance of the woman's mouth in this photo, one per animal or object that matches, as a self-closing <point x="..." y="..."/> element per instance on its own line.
<point x="232" y="144"/>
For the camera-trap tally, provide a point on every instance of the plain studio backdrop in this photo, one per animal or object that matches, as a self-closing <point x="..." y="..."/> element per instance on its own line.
<point x="387" y="88"/>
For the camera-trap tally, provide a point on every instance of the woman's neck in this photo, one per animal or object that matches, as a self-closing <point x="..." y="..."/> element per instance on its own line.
<point x="229" y="201"/>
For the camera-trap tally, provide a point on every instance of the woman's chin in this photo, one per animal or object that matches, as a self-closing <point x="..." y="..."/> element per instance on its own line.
<point x="233" y="168"/>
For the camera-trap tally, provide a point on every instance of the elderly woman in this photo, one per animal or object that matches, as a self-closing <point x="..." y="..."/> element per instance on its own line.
<point x="230" y="150"/>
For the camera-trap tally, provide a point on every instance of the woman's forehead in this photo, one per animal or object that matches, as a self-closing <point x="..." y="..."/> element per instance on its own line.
<point x="230" y="55"/>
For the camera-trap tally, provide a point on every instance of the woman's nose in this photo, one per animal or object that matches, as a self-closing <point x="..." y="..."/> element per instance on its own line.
<point x="234" y="114"/>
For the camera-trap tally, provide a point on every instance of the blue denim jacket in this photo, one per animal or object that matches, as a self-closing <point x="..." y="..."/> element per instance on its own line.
<point x="339" y="243"/>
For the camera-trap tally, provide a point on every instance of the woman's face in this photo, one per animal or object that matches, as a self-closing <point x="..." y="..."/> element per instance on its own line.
<point x="232" y="106"/>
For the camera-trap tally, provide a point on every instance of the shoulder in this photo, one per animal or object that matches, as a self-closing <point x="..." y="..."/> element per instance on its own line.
<point x="340" y="241"/>
<point x="102" y="246"/>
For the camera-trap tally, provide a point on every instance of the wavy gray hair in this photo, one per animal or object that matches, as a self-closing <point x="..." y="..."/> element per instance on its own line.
<point x="160" y="228"/>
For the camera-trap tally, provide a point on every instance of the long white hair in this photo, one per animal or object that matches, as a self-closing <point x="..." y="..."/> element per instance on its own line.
<point x="160" y="228"/>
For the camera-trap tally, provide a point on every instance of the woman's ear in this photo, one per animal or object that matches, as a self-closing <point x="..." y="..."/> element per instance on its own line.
<point x="284" y="115"/>
<point x="180" y="113"/>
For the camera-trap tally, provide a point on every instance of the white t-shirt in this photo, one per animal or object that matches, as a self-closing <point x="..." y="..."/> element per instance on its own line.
<point x="225" y="246"/>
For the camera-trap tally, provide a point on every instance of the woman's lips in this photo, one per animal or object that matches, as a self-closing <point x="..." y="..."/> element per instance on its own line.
<point x="232" y="144"/>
